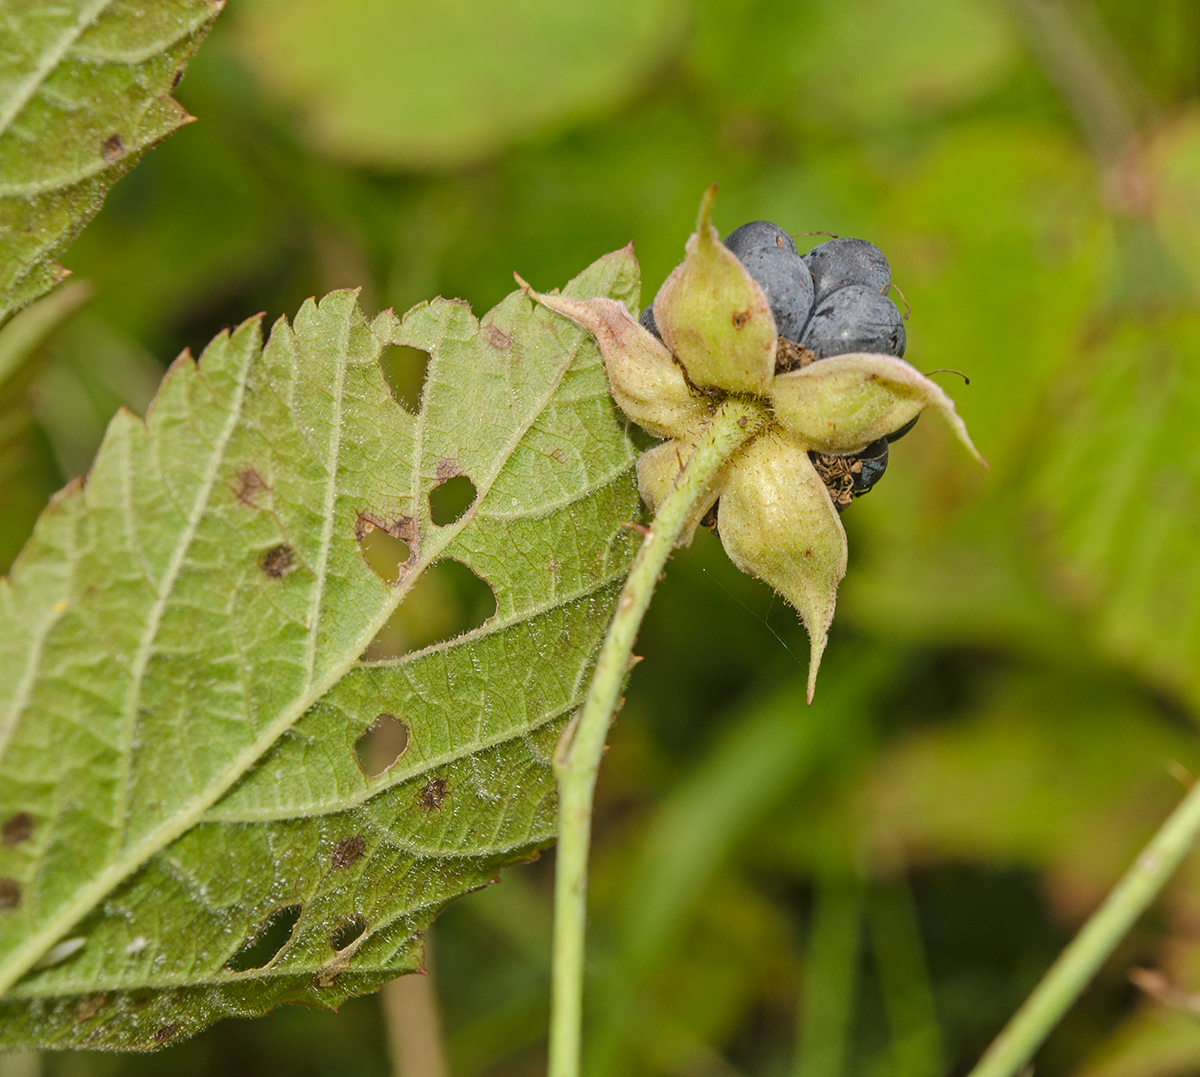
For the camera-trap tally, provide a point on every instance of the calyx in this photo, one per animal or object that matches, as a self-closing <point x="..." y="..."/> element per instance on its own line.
<point x="775" y="514"/>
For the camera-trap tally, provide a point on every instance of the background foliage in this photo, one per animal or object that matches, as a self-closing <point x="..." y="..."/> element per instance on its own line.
<point x="1013" y="680"/>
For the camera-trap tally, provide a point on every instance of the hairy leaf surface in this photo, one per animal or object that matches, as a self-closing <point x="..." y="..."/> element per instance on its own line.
<point x="85" y="89"/>
<point x="181" y="689"/>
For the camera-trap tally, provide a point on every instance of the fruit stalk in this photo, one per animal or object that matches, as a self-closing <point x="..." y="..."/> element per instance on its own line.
<point x="1066" y="979"/>
<point x="577" y="757"/>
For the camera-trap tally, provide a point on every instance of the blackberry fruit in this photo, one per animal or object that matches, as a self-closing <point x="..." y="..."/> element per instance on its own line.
<point x="787" y="284"/>
<point x="845" y="261"/>
<point x="855" y="319"/>
<point x="758" y="234"/>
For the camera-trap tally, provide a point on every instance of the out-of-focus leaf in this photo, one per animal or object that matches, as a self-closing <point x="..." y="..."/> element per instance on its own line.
<point x="1166" y="175"/>
<point x="415" y="84"/>
<point x="879" y="61"/>
<point x="903" y="971"/>
<point x="1154" y="1043"/>
<point x="91" y="372"/>
<point x="1001" y="246"/>
<point x="27" y="473"/>
<point x="21" y="337"/>
<point x="1120" y="493"/>
<point x="85" y="90"/>
<point x="189" y="831"/>
<point x="1049" y="763"/>
<point x="830" y="976"/>
<point x="857" y="62"/>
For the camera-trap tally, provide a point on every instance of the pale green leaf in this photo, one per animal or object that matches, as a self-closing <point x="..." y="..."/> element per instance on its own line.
<point x="85" y="89"/>
<point x="180" y="659"/>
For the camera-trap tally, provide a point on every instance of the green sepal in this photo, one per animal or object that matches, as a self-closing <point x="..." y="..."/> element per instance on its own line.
<point x="714" y="317"/>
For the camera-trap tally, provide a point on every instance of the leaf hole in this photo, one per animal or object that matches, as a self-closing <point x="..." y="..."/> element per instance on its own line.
<point x="260" y="950"/>
<point x="384" y="742"/>
<point x="446" y="600"/>
<point x="385" y="553"/>
<point x="348" y="934"/>
<point x="450" y="499"/>
<point x="404" y="370"/>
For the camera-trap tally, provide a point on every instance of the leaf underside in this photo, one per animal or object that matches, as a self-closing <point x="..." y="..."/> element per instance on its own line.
<point x="85" y="89"/>
<point x="181" y="686"/>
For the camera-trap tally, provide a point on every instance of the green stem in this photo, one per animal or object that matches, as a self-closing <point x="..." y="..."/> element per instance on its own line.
<point x="577" y="760"/>
<point x="1075" y="967"/>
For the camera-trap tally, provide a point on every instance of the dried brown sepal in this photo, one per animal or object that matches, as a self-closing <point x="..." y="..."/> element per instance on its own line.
<point x="792" y="356"/>
<point x="838" y="474"/>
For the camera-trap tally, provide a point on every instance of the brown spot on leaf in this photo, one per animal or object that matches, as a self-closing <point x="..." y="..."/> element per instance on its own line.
<point x="113" y="148"/>
<point x="88" y="1008"/>
<point x="278" y="561"/>
<point x="559" y="455"/>
<point x="433" y="792"/>
<point x="740" y="318"/>
<point x="498" y="338"/>
<point x="177" y="79"/>
<point x="17" y="828"/>
<point x="349" y="851"/>
<point x="166" y="1033"/>
<point x="249" y="484"/>
<point x="10" y="893"/>
<point x="447" y="469"/>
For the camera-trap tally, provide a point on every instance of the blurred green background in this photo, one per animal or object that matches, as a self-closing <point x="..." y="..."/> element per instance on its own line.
<point x="1012" y="684"/>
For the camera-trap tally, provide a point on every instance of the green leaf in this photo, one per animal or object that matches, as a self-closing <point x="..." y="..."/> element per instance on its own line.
<point x="437" y="85"/>
<point x="180" y="652"/>
<point x="85" y="90"/>
<point x="1119" y="485"/>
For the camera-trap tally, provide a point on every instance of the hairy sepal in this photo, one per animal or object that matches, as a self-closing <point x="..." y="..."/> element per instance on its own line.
<point x="646" y="382"/>
<point x="714" y="317"/>
<point x="777" y="522"/>
<point x="658" y="470"/>
<point x="841" y="405"/>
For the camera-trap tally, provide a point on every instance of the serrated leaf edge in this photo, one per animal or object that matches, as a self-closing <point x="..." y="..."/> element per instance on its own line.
<point x="22" y="958"/>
